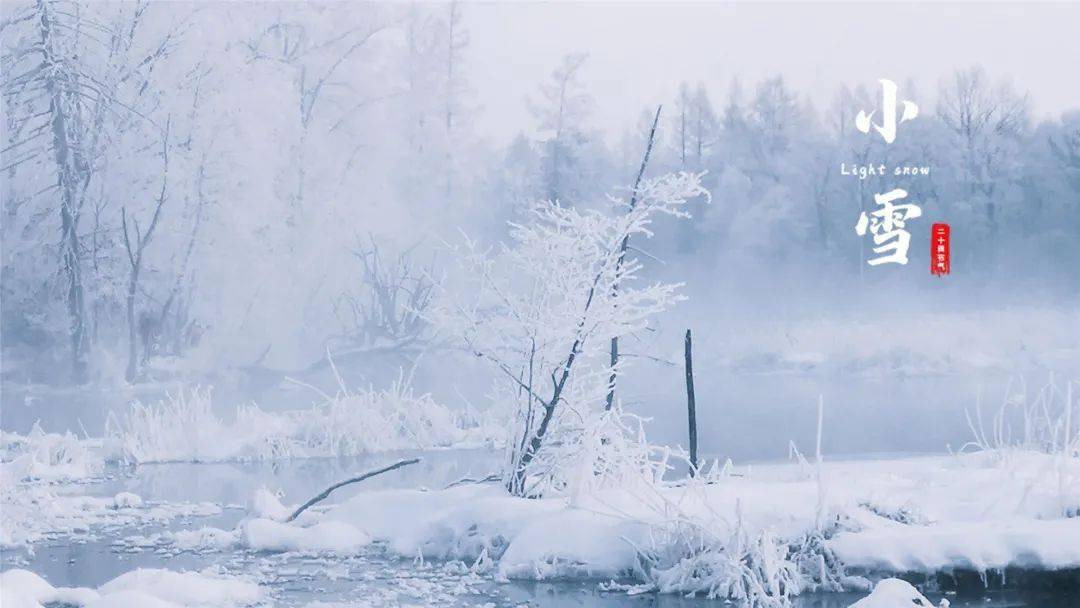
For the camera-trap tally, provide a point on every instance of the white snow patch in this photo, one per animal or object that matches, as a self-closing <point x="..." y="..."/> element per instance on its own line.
<point x="332" y="536"/>
<point x="141" y="588"/>
<point x="125" y="500"/>
<point x="458" y="523"/>
<point x="894" y="593"/>
<point x="265" y="503"/>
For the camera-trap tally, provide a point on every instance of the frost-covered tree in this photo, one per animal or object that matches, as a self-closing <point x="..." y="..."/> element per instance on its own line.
<point x="433" y="104"/>
<point x="317" y="46"/>
<point x="696" y="126"/>
<point x="986" y="122"/>
<point x="77" y="90"/>
<point x="561" y="109"/>
<point x="543" y="308"/>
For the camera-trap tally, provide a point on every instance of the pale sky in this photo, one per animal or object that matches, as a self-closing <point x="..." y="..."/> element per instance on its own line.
<point x="640" y="51"/>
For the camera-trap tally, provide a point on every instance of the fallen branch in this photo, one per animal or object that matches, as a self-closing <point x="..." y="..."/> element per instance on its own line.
<point x="369" y="474"/>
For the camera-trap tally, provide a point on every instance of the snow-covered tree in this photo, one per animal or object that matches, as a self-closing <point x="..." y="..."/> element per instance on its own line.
<point x="986" y="122"/>
<point x="78" y="101"/>
<point x="543" y="308"/>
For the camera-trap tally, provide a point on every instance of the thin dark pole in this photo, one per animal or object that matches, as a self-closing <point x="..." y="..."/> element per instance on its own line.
<point x="622" y="253"/>
<point x="691" y="406"/>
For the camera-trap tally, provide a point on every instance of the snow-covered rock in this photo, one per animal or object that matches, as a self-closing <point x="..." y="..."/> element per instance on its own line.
<point x="126" y="500"/>
<point x="894" y="593"/>
<point x="265" y="503"/>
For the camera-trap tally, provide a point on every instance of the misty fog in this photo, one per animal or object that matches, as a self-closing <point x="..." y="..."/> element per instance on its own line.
<point x="238" y="184"/>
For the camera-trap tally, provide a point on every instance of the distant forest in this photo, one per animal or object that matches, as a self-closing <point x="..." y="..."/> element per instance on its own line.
<point x="180" y="175"/>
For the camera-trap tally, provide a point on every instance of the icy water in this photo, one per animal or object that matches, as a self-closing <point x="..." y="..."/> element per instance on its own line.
<point x="370" y="579"/>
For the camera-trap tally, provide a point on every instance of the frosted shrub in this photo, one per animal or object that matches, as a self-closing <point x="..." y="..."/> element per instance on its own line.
<point x="694" y="549"/>
<point x="708" y="555"/>
<point x="1046" y="422"/>
<point x="184" y="427"/>
<point x="48" y="456"/>
<point x="599" y="450"/>
<point x="378" y="420"/>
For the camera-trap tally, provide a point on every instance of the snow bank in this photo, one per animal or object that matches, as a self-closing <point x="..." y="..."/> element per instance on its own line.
<point x="141" y="588"/>
<point x="573" y="543"/>
<point x="759" y="534"/>
<point x="1023" y="543"/>
<point x="458" y="523"/>
<point x="185" y="428"/>
<point x="765" y="524"/>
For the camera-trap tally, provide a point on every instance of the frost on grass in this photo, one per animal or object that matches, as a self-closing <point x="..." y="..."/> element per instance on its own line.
<point x="41" y="456"/>
<point x="140" y="588"/>
<point x="185" y="428"/>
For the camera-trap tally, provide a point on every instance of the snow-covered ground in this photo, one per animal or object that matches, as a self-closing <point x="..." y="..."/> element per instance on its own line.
<point x="975" y="511"/>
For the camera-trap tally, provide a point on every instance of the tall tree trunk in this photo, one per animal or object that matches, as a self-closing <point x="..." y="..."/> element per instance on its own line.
<point x="622" y="256"/>
<point x="133" y="351"/>
<point x="68" y="184"/>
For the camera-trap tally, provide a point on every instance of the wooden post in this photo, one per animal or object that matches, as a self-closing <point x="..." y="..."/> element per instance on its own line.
<point x="691" y="409"/>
